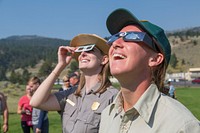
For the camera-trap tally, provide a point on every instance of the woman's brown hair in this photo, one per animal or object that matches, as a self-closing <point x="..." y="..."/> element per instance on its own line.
<point x="158" y="75"/>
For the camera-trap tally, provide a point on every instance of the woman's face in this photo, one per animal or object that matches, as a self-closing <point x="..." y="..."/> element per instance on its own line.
<point x="128" y="58"/>
<point x="91" y="60"/>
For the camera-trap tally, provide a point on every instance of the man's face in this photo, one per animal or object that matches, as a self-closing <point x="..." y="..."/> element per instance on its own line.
<point x="73" y="80"/>
<point x="32" y="87"/>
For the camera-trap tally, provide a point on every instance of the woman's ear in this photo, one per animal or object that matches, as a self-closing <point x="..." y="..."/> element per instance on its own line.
<point x="104" y="60"/>
<point x="156" y="60"/>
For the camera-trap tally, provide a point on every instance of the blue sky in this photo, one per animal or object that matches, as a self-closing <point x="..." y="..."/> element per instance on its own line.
<point x="65" y="19"/>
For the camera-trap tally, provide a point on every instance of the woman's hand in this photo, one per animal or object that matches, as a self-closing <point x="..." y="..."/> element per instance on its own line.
<point x="38" y="130"/>
<point x="65" y="54"/>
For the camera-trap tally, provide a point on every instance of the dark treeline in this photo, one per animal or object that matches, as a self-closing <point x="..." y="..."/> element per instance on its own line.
<point x="27" y="51"/>
<point x="195" y="31"/>
<point x="24" y="51"/>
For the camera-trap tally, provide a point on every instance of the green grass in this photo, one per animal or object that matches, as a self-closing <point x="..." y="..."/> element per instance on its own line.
<point x="188" y="96"/>
<point x="54" y="123"/>
<point x="13" y="93"/>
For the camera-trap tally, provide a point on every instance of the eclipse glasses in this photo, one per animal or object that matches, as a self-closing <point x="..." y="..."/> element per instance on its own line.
<point x="133" y="37"/>
<point x="85" y="48"/>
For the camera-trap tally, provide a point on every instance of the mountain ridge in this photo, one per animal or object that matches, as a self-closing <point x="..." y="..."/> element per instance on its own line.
<point x="22" y="51"/>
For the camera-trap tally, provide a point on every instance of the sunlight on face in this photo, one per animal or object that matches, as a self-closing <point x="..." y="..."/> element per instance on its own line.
<point x="128" y="58"/>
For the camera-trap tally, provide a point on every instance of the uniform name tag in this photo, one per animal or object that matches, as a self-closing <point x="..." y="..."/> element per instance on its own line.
<point x="70" y="102"/>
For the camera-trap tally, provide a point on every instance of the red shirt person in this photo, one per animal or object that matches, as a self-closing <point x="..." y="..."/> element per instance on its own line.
<point x="24" y="108"/>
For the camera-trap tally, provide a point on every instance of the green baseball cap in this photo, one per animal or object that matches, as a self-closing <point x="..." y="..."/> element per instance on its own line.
<point x="122" y="17"/>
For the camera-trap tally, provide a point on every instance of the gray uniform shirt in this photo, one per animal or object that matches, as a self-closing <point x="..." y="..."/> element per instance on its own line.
<point x="153" y="113"/>
<point x="82" y="114"/>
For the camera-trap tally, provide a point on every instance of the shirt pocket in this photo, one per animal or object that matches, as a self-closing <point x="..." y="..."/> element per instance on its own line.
<point x="68" y="117"/>
<point x="94" y="115"/>
<point x="69" y="110"/>
<point x="94" y="118"/>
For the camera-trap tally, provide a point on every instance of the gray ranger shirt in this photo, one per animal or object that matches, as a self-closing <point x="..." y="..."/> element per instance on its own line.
<point x="82" y="114"/>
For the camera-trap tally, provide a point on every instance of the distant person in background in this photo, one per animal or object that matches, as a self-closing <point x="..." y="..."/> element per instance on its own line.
<point x="81" y="107"/>
<point x="40" y="119"/>
<point x="77" y="73"/>
<point x="4" y="112"/>
<point x="74" y="79"/>
<point x="66" y="84"/>
<point x="25" y="109"/>
<point x="172" y="90"/>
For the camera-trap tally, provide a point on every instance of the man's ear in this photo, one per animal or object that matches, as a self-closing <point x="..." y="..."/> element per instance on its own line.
<point x="104" y="60"/>
<point x="156" y="60"/>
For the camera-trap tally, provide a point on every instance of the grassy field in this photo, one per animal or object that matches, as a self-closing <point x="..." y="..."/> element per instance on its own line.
<point x="188" y="96"/>
<point x="54" y="119"/>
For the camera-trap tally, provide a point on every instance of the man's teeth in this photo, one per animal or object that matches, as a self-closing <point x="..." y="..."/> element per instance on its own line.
<point x="119" y="55"/>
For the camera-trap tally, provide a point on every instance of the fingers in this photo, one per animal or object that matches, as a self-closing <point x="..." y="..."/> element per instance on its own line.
<point x="66" y="50"/>
<point x="65" y="54"/>
<point x="5" y="128"/>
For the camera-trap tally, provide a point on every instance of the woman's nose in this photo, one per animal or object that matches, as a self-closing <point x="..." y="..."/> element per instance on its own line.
<point x="83" y="54"/>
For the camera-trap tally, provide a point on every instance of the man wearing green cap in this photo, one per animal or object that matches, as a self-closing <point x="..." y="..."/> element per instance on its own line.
<point x="139" y="56"/>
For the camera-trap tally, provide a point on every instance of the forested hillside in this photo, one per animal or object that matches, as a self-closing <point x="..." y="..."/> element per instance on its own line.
<point x="23" y="51"/>
<point x="28" y="51"/>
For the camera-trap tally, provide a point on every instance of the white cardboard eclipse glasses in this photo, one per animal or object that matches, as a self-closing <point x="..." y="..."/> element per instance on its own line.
<point x="85" y="48"/>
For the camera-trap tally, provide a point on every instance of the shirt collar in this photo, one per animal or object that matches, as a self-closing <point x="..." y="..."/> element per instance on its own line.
<point x="93" y="89"/>
<point x="117" y="103"/>
<point x="144" y="105"/>
<point x="147" y="102"/>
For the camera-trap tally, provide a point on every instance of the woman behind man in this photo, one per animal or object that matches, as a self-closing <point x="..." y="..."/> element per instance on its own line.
<point x="25" y="109"/>
<point x="39" y="123"/>
<point x="40" y="119"/>
<point x="66" y="83"/>
<point x="81" y="107"/>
